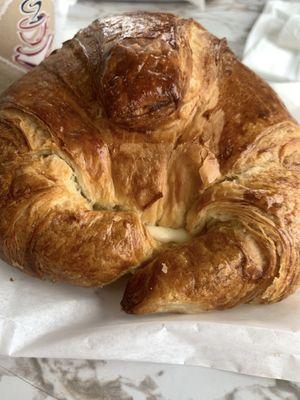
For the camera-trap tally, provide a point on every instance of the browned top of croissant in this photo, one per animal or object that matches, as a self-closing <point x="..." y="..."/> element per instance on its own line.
<point x="147" y="118"/>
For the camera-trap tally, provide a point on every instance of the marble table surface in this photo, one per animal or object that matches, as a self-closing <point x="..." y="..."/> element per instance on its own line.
<point x="45" y="379"/>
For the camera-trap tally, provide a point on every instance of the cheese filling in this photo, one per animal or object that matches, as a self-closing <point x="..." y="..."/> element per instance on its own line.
<point x="166" y="235"/>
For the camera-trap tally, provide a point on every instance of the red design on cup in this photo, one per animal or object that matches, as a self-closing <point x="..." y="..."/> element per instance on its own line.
<point x="34" y="34"/>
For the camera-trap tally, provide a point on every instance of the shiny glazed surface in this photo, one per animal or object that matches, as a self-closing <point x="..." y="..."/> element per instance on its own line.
<point x="141" y="119"/>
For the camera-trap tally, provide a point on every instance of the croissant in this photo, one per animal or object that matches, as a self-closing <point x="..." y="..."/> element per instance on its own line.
<point x="141" y="125"/>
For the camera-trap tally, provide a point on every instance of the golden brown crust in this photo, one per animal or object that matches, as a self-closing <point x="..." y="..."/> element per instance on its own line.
<point x="49" y="230"/>
<point x="246" y="246"/>
<point x="249" y="106"/>
<point x="110" y="244"/>
<point x="198" y="276"/>
<point x="146" y="118"/>
<point x="142" y="77"/>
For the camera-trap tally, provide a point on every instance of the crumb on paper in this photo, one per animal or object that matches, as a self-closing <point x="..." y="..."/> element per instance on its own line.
<point x="164" y="268"/>
<point x="11" y="279"/>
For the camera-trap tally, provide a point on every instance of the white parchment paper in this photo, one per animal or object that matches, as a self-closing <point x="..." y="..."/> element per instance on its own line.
<point x="41" y="319"/>
<point x="273" y="50"/>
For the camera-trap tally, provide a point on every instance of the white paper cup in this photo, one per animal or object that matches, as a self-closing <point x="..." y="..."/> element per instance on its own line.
<point x="26" y="31"/>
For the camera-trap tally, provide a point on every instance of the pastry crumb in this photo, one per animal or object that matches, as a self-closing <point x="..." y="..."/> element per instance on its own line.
<point x="164" y="268"/>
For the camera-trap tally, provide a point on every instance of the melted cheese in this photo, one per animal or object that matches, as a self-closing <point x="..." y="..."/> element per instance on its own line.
<point x="166" y="235"/>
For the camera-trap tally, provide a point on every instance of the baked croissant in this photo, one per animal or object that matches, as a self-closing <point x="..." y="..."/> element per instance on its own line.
<point x="142" y="121"/>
